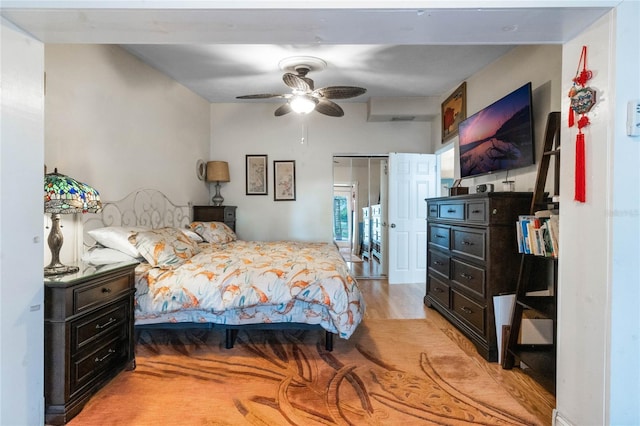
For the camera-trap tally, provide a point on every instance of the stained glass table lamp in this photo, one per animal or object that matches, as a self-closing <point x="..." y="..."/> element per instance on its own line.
<point x="65" y="195"/>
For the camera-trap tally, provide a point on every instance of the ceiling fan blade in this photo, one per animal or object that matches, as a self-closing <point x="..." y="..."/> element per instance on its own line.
<point x="282" y="110"/>
<point x="340" y="92"/>
<point x="296" y="82"/>
<point x="329" y="108"/>
<point x="260" y="96"/>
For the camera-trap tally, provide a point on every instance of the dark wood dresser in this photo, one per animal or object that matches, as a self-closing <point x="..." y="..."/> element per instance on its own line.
<point x="88" y="335"/>
<point x="225" y="214"/>
<point x="472" y="255"/>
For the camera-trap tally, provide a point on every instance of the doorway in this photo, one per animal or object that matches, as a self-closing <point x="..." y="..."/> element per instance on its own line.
<point x="359" y="207"/>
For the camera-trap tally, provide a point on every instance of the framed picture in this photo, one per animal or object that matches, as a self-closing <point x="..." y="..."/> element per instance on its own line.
<point x="256" y="174"/>
<point x="284" y="180"/>
<point x="453" y="111"/>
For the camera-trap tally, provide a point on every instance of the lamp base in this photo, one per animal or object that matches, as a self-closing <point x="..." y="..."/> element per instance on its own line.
<point x="55" y="244"/>
<point x="59" y="269"/>
<point x="217" y="199"/>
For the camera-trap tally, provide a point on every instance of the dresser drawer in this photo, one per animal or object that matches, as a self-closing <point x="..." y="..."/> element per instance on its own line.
<point x="469" y="311"/>
<point x="439" y="263"/>
<point x="469" y="242"/>
<point x="439" y="236"/>
<point x="451" y="211"/>
<point x="439" y="291"/>
<point x="432" y="211"/>
<point x="99" y="293"/>
<point x="88" y="368"/>
<point x="477" y="212"/>
<point x="468" y="276"/>
<point x="95" y="326"/>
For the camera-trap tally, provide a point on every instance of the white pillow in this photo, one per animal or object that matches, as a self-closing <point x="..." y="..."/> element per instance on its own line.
<point x="193" y="236"/>
<point x="105" y="255"/>
<point x="117" y="238"/>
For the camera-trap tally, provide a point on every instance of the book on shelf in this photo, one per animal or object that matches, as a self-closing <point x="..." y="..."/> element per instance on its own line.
<point x="537" y="234"/>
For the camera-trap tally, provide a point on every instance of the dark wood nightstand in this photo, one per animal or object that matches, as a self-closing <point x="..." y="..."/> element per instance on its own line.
<point x="88" y="335"/>
<point x="226" y="214"/>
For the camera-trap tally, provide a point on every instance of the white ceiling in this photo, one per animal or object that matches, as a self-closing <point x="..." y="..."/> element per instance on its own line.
<point x="224" y="53"/>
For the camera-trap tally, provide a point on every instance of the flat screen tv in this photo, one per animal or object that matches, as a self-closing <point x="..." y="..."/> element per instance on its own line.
<point x="499" y="137"/>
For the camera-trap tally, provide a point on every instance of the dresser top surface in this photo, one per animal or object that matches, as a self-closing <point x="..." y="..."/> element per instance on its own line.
<point x="481" y="195"/>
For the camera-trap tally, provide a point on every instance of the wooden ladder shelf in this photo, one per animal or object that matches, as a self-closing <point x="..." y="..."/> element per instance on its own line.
<point x="538" y="274"/>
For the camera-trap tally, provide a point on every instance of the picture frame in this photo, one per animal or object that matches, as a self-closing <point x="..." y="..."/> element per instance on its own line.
<point x="284" y="180"/>
<point x="453" y="111"/>
<point x="256" y="175"/>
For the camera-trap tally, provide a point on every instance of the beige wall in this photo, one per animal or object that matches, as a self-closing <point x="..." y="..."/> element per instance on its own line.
<point x="119" y="125"/>
<point x="539" y="64"/>
<point x="251" y="128"/>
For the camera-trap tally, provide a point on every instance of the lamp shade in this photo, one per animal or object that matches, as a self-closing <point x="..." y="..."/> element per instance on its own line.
<point x="218" y="171"/>
<point x="65" y="195"/>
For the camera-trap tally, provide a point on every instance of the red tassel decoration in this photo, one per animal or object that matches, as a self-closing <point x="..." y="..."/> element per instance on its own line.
<point x="571" y="117"/>
<point x="580" y="180"/>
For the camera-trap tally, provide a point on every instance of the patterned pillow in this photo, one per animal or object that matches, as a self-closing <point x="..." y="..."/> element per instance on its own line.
<point x="166" y="248"/>
<point x="214" y="232"/>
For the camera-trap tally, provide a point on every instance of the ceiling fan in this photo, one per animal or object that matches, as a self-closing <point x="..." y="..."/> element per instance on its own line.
<point x="304" y="98"/>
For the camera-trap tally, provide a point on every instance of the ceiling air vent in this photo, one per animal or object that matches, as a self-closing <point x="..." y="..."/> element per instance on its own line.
<point x="404" y="118"/>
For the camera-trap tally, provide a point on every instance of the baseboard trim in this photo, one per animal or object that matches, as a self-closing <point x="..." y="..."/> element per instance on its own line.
<point x="559" y="419"/>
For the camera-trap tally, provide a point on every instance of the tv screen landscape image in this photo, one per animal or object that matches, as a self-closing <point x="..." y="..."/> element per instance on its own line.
<point x="498" y="137"/>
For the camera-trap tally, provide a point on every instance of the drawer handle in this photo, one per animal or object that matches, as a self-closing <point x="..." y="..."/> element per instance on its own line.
<point x="111" y="352"/>
<point x="451" y="211"/>
<point x="440" y="236"/>
<point x="476" y="211"/>
<point x="106" y="290"/>
<point x="106" y="324"/>
<point x="433" y="210"/>
<point x="467" y="276"/>
<point x="466" y="243"/>
<point x="466" y="310"/>
<point x="438" y="290"/>
<point x="437" y="262"/>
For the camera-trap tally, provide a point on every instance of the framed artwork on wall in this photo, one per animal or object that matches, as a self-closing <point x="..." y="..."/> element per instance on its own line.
<point x="453" y="111"/>
<point x="256" y="174"/>
<point x="284" y="180"/>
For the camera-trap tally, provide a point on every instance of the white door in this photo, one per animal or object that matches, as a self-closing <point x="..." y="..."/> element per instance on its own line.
<point x="412" y="178"/>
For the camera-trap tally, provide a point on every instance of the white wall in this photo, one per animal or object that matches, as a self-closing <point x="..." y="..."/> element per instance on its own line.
<point x="251" y="128"/>
<point x="623" y="364"/>
<point x="598" y="320"/>
<point x="21" y="186"/>
<point x="119" y="125"/>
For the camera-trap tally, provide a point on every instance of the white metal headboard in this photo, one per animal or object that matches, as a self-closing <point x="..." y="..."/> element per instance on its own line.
<point x="144" y="207"/>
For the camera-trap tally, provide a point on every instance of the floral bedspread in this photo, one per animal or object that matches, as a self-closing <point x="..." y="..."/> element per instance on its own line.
<point x="249" y="282"/>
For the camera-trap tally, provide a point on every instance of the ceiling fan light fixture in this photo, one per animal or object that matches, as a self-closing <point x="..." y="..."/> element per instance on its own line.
<point x="303" y="104"/>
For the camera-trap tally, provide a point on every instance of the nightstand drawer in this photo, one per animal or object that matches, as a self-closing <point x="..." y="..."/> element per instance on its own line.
<point x="468" y="310"/>
<point x="94" y="327"/>
<point x="100" y="293"/>
<point x="469" y="242"/>
<point x="468" y="276"/>
<point x="87" y="368"/>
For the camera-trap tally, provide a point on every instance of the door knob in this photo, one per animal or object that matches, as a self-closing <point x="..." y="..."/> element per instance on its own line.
<point x="393" y="225"/>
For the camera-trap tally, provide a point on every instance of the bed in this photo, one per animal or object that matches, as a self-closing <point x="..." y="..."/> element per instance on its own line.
<point x="198" y="274"/>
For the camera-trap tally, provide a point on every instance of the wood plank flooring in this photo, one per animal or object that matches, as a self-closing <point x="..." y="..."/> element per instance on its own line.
<point x="405" y="301"/>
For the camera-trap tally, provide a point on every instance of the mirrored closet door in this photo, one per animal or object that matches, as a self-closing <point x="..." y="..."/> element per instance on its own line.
<point x="359" y="184"/>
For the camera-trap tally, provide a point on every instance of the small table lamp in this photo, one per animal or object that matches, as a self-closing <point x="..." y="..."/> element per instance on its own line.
<point x="217" y="171"/>
<point x="65" y="195"/>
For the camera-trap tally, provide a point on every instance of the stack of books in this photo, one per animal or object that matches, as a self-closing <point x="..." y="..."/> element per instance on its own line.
<point x="538" y="233"/>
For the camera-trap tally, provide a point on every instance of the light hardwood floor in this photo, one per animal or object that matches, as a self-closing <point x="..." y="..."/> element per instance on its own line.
<point x="405" y="301"/>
